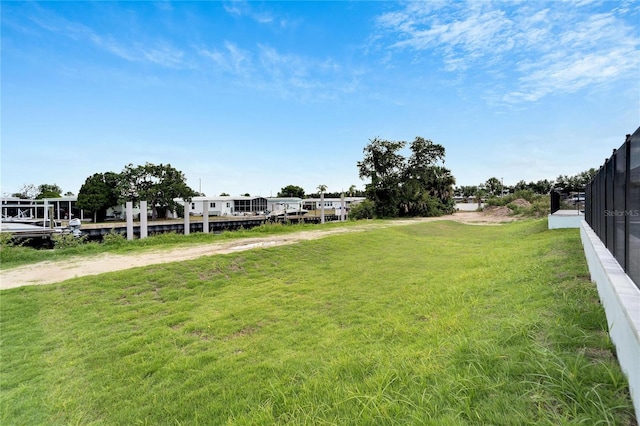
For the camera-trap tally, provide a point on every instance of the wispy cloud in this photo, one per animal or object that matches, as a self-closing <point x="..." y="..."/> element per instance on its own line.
<point x="230" y="59"/>
<point x="242" y="8"/>
<point x="156" y="51"/>
<point x="546" y="47"/>
<point x="290" y="75"/>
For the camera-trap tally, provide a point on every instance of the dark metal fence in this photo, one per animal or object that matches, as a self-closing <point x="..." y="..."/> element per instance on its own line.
<point x="613" y="205"/>
<point x="555" y="201"/>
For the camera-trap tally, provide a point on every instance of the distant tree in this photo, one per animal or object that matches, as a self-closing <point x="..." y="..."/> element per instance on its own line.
<point x="27" y="192"/>
<point x="467" y="191"/>
<point x="98" y="193"/>
<point x="427" y="187"/>
<point x="383" y="164"/>
<point x="158" y="184"/>
<point x="493" y="186"/>
<point x="48" y="191"/>
<point x="541" y="186"/>
<point x="521" y="186"/>
<point x="246" y="195"/>
<point x="224" y="194"/>
<point x="352" y="190"/>
<point x="291" y="191"/>
<point x="69" y="194"/>
<point x="417" y="186"/>
<point x="588" y="175"/>
<point x="576" y="183"/>
<point x="481" y="193"/>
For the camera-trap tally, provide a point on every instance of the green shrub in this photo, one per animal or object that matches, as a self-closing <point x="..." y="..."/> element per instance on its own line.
<point x="364" y="210"/>
<point x="64" y="241"/>
<point x="540" y="204"/>
<point x="113" y="238"/>
<point x="6" y="240"/>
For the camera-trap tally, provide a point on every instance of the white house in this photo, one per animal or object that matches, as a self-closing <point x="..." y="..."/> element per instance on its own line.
<point x="331" y="203"/>
<point x="225" y="205"/>
<point x="283" y="203"/>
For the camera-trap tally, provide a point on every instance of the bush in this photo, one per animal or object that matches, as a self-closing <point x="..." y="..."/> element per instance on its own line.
<point x="525" y="194"/>
<point x="6" y="240"/>
<point x="540" y="204"/>
<point x="364" y="210"/>
<point x="541" y="207"/>
<point x="63" y="241"/>
<point x="113" y="238"/>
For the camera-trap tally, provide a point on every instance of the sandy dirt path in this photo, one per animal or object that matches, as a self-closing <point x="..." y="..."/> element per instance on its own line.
<point x="53" y="272"/>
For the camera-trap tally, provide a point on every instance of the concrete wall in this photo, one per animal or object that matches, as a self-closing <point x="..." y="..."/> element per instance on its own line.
<point x="565" y="219"/>
<point x="620" y="298"/>
<point x="468" y="207"/>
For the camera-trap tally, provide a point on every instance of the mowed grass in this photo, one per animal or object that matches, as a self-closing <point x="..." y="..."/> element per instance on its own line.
<point x="432" y="324"/>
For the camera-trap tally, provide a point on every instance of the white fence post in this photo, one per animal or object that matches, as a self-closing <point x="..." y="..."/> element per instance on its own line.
<point x="129" y="213"/>
<point x="205" y="217"/>
<point x="143" y="219"/>
<point x="186" y="217"/>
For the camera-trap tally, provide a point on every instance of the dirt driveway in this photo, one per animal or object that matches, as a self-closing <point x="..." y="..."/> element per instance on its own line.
<point x="53" y="272"/>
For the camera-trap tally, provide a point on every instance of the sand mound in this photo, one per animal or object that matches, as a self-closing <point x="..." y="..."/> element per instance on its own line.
<point x="521" y="202"/>
<point x="497" y="210"/>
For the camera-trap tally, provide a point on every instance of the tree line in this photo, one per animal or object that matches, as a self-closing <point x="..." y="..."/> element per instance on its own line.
<point x="295" y="191"/>
<point x="46" y="190"/>
<point x="563" y="184"/>
<point x="414" y="185"/>
<point x="159" y="184"/>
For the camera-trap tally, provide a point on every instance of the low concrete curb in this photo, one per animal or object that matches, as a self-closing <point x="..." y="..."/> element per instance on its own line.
<point x="620" y="298"/>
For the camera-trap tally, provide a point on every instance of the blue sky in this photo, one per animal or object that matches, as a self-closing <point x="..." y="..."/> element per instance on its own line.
<point x="253" y="96"/>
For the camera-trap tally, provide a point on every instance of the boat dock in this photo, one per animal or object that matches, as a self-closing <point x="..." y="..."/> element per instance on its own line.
<point x="42" y="236"/>
<point x="216" y="224"/>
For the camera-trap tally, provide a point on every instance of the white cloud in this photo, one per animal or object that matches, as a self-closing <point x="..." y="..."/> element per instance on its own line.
<point x="290" y="75"/>
<point x="546" y="47"/>
<point x="157" y="51"/>
<point x="242" y="8"/>
<point x="230" y="60"/>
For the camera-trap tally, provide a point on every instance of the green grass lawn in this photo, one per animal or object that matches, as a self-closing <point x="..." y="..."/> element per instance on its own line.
<point x="12" y="254"/>
<point x="432" y="324"/>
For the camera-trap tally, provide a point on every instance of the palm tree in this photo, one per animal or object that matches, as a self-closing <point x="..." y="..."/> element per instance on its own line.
<point x="352" y="189"/>
<point x="322" y="189"/>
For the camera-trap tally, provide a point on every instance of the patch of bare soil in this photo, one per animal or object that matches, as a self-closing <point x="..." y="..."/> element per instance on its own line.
<point x="521" y="202"/>
<point x="53" y="272"/>
<point x="497" y="211"/>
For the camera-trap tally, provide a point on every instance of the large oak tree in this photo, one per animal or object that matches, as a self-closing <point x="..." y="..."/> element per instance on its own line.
<point x="158" y="184"/>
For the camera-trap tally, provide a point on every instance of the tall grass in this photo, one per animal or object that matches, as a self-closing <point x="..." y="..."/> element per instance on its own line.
<point x="437" y="324"/>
